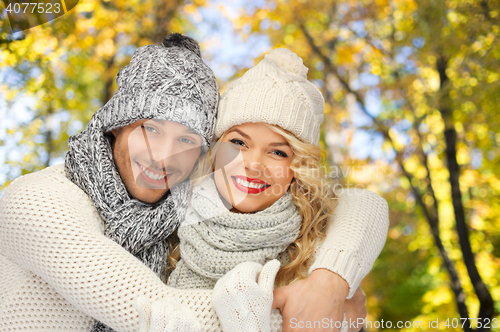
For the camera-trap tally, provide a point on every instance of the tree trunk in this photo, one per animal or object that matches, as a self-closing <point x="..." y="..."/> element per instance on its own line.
<point x="108" y="84"/>
<point x="486" y="310"/>
<point x="48" y="136"/>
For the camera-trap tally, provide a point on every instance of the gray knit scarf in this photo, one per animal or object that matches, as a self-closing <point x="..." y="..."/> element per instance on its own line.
<point x="213" y="240"/>
<point x="139" y="227"/>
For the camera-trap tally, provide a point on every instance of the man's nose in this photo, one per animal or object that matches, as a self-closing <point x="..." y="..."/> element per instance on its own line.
<point x="165" y="150"/>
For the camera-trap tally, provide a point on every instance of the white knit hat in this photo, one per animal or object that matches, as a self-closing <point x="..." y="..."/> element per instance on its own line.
<point x="276" y="91"/>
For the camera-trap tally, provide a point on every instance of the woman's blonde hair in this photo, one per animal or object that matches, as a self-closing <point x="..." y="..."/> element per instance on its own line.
<point x="311" y="193"/>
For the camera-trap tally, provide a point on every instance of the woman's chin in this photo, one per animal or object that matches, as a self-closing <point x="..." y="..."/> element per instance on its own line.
<point x="251" y="207"/>
<point x="245" y="209"/>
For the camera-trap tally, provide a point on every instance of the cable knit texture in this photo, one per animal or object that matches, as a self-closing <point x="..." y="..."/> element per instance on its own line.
<point x="276" y="91"/>
<point x="350" y="249"/>
<point x="165" y="315"/>
<point x="59" y="270"/>
<point x="243" y="304"/>
<point x="213" y="240"/>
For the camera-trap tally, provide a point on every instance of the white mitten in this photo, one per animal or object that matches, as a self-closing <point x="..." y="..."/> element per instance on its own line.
<point x="165" y="315"/>
<point x="243" y="304"/>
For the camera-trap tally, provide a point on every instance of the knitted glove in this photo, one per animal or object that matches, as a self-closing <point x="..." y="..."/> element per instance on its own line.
<point x="242" y="304"/>
<point x="165" y="315"/>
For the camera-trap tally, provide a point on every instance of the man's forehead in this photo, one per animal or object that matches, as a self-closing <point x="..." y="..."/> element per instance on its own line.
<point x="166" y="122"/>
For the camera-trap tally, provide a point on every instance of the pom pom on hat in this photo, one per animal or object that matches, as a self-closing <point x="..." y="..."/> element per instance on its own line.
<point x="289" y="61"/>
<point x="176" y="39"/>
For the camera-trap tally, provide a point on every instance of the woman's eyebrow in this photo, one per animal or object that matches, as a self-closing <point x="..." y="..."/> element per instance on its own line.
<point x="279" y="144"/>
<point x="241" y="133"/>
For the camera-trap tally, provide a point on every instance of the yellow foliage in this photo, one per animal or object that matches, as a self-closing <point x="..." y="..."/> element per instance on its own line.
<point x="438" y="296"/>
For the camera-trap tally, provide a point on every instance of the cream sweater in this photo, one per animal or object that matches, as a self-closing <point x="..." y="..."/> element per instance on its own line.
<point x="58" y="270"/>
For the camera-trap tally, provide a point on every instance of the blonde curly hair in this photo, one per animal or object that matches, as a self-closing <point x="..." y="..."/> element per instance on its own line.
<point x="311" y="193"/>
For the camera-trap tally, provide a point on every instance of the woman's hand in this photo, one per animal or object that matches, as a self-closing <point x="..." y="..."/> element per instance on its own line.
<point x="242" y="303"/>
<point x="319" y="298"/>
<point x="165" y="315"/>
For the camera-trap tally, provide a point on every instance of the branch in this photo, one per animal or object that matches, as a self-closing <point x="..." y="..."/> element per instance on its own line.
<point x="164" y="15"/>
<point x="8" y="41"/>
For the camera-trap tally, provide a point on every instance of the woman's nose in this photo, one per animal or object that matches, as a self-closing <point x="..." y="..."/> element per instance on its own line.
<point x="253" y="161"/>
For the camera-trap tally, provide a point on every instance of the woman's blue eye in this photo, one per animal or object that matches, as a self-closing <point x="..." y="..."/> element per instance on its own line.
<point x="237" y="142"/>
<point x="280" y="153"/>
<point x="185" y="140"/>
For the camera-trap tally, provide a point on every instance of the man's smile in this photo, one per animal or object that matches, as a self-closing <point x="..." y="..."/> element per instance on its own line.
<point x="152" y="176"/>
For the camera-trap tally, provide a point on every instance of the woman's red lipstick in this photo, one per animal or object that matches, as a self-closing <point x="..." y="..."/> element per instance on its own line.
<point x="250" y="180"/>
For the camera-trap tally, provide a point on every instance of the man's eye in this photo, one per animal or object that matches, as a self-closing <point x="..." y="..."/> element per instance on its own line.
<point x="280" y="153"/>
<point x="151" y="129"/>
<point x="237" y="142"/>
<point x="186" y="140"/>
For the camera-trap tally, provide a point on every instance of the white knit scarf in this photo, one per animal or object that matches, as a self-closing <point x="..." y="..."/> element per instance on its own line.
<point x="213" y="240"/>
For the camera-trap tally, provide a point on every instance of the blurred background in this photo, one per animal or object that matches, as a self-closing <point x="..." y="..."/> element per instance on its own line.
<point x="412" y="93"/>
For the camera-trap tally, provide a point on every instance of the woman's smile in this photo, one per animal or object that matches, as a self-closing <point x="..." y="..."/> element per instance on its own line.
<point x="249" y="185"/>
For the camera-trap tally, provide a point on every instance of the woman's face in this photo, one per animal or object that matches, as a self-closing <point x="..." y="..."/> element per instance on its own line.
<point x="252" y="167"/>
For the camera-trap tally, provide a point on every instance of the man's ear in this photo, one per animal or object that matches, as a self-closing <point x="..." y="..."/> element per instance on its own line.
<point x="114" y="132"/>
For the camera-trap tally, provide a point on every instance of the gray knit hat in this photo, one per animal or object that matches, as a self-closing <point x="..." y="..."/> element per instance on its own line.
<point x="168" y="82"/>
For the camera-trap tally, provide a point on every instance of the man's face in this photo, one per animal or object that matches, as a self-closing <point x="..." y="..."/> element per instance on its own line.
<point x="154" y="155"/>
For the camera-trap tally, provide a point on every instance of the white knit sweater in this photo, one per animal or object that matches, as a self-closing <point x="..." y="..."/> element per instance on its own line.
<point x="58" y="270"/>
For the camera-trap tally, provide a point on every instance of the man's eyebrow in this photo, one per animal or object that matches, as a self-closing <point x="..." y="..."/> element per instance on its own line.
<point x="188" y="130"/>
<point x="158" y="121"/>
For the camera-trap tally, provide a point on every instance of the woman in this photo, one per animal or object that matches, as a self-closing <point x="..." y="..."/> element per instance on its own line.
<point x="266" y="198"/>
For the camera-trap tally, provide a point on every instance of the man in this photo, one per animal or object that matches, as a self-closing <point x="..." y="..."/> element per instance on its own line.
<point x="67" y="232"/>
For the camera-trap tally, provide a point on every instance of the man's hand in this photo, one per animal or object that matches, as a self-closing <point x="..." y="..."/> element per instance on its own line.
<point x="319" y="298"/>
<point x="355" y="308"/>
